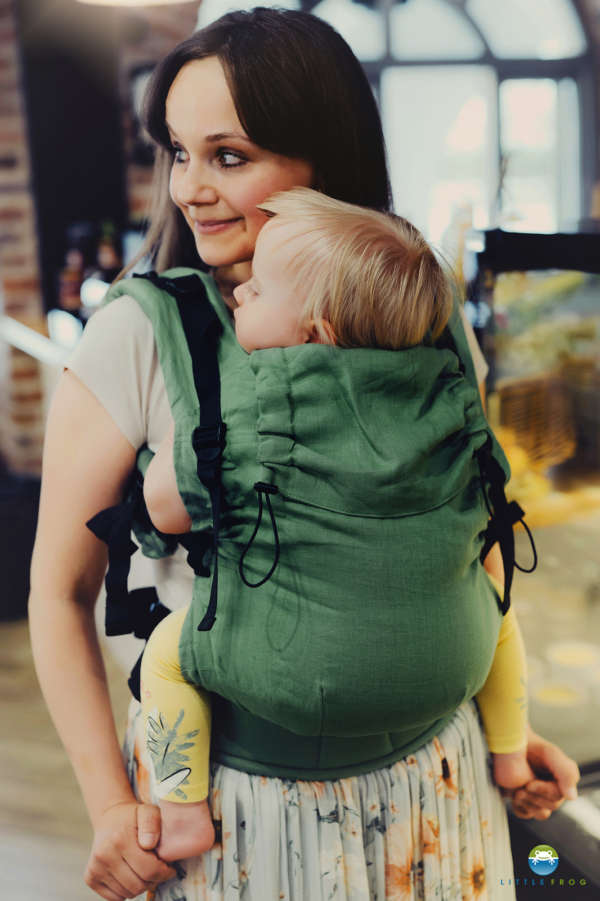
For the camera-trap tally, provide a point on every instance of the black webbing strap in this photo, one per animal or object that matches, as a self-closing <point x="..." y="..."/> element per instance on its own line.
<point x="202" y="330"/>
<point x="140" y="611"/>
<point x="113" y="526"/>
<point x="147" y="613"/>
<point x="126" y="611"/>
<point x="504" y="516"/>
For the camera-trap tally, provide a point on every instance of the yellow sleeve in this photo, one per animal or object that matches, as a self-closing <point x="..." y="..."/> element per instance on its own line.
<point x="177" y="718"/>
<point x="503" y="699"/>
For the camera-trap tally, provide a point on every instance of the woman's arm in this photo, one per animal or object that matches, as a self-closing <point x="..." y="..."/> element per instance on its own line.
<point x="86" y="464"/>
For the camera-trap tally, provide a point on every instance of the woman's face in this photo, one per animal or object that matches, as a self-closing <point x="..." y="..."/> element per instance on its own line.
<point x="218" y="175"/>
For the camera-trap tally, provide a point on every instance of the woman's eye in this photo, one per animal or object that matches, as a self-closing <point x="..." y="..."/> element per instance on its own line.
<point x="229" y="159"/>
<point x="179" y="154"/>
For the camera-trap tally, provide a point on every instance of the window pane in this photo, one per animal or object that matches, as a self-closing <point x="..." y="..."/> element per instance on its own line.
<point x="537" y="29"/>
<point x="210" y="10"/>
<point x="569" y="151"/>
<point x="440" y="125"/>
<point x="432" y="29"/>
<point x="361" y="27"/>
<point x="529" y="143"/>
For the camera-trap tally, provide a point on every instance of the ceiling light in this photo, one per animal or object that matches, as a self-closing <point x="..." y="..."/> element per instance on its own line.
<point x="133" y="2"/>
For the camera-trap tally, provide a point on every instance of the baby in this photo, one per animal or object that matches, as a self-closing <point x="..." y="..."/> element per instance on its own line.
<point x="323" y="272"/>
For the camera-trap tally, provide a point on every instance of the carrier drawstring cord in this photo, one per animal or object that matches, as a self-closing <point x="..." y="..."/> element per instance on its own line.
<point x="503" y="516"/>
<point x="266" y="489"/>
<point x="533" y="549"/>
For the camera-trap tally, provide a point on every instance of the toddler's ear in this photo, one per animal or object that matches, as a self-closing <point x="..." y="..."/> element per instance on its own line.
<point x="321" y="332"/>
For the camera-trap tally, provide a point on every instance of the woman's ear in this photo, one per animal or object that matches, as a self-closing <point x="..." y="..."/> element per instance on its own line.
<point x="321" y="332"/>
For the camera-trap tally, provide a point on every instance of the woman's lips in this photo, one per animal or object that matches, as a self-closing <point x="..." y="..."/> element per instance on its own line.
<point x="213" y="226"/>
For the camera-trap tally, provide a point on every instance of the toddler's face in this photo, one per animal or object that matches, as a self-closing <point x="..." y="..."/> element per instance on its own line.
<point x="269" y="311"/>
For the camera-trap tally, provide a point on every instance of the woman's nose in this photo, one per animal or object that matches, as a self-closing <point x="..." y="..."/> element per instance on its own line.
<point x="194" y="186"/>
<point x="238" y="293"/>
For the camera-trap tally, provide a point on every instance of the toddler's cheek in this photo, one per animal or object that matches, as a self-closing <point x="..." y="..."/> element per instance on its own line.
<point x="244" y="335"/>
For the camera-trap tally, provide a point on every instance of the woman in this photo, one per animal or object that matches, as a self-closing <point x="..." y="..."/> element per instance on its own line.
<point x="253" y="104"/>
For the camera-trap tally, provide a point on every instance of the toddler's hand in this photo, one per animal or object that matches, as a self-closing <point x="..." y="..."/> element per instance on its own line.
<point x="512" y="770"/>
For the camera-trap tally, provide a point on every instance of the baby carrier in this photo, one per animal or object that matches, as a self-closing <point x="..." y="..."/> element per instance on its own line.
<point x="354" y="612"/>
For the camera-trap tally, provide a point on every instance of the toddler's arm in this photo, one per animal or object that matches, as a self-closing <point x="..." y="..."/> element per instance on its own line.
<point x="177" y="728"/>
<point x="167" y="510"/>
<point x="503" y="699"/>
<point x="503" y="705"/>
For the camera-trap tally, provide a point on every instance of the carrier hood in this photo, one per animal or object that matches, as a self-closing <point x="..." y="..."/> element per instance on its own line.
<point x="367" y="431"/>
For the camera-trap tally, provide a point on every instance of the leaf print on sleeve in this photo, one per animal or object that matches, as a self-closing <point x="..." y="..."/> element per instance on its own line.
<point x="166" y="746"/>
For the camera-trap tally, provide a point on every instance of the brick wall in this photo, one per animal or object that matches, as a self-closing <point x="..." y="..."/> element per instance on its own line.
<point x="21" y="417"/>
<point x="147" y="34"/>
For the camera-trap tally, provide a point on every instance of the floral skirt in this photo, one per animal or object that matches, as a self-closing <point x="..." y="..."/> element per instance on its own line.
<point x="432" y="825"/>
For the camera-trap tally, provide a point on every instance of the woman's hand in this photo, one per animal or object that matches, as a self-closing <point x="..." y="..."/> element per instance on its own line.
<point x="557" y="777"/>
<point x="122" y="863"/>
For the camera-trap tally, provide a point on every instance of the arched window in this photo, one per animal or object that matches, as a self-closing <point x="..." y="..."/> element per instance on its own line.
<point x="488" y="107"/>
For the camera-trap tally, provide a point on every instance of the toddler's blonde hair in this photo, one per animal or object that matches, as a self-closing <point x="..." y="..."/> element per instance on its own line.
<point x="371" y="275"/>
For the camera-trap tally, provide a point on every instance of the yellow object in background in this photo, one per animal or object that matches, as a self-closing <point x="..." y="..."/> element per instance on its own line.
<point x="534" y="491"/>
<point x="527" y="484"/>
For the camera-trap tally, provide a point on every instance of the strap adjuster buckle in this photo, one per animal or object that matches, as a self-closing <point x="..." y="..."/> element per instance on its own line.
<point x="208" y="442"/>
<point x="205" y="437"/>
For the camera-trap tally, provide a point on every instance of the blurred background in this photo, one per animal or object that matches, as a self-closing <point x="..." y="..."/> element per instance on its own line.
<point x="491" y="112"/>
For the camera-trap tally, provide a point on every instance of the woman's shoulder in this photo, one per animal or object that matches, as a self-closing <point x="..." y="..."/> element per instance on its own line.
<point x="119" y="324"/>
<point x="116" y="359"/>
<point x="122" y="314"/>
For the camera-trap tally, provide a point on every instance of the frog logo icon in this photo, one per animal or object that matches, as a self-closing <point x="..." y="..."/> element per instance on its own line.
<point x="543" y="860"/>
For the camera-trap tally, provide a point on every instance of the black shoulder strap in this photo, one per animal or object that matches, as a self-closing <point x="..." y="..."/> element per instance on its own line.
<point x="202" y="329"/>
<point x="140" y="611"/>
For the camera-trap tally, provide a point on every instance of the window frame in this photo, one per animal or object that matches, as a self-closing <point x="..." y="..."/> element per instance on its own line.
<point x="579" y="68"/>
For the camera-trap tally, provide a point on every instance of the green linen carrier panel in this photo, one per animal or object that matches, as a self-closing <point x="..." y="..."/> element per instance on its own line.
<point x="379" y="620"/>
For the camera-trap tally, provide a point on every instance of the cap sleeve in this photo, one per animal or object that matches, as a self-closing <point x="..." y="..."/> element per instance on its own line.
<point x="116" y="359"/>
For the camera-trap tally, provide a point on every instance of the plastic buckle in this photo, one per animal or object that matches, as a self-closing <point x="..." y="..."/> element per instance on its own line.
<point x="205" y="436"/>
<point x="208" y="442"/>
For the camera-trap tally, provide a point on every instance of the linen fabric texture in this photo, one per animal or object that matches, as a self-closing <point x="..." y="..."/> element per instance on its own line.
<point x="369" y="449"/>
